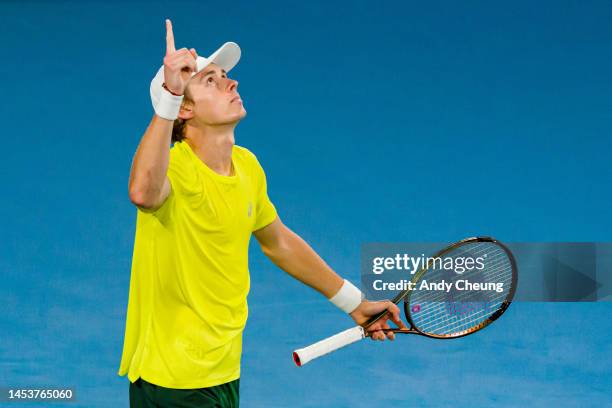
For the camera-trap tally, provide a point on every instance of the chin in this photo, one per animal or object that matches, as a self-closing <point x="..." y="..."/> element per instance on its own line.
<point x="240" y="115"/>
<point x="234" y="118"/>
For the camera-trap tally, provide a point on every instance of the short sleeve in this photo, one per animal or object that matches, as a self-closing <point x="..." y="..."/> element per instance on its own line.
<point x="182" y="171"/>
<point x="163" y="212"/>
<point x="184" y="181"/>
<point x="265" y="211"/>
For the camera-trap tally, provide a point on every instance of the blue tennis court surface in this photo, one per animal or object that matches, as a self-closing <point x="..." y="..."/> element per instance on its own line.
<point x="537" y="354"/>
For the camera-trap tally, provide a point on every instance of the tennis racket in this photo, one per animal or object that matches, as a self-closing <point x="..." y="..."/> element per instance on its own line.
<point x="463" y="310"/>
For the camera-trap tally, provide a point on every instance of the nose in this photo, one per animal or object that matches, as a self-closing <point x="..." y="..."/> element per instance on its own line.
<point x="232" y="85"/>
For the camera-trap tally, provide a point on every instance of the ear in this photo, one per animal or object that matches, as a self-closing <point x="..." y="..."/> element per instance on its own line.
<point x="186" y="112"/>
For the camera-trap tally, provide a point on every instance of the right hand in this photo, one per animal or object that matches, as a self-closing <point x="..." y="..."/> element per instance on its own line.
<point x="179" y="66"/>
<point x="368" y="309"/>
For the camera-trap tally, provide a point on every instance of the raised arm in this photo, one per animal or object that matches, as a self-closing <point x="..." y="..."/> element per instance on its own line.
<point x="149" y="185"/>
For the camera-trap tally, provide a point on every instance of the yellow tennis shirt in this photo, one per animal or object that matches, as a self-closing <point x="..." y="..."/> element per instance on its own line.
<point x="187" y="305"/>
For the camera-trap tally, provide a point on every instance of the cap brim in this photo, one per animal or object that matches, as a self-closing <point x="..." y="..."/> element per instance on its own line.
<point x="227" y="56"/>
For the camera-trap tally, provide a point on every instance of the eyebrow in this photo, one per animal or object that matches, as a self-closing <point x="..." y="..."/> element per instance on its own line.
<point x="212" y="72"/>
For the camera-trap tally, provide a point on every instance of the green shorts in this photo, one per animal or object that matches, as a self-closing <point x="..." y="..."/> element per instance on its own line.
<point x="146" y="395"/>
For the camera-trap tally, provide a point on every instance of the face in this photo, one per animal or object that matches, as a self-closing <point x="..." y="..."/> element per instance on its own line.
<point x="215" y="98"/>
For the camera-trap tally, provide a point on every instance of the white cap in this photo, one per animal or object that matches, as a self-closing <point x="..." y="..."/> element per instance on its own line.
<point x="227" y="56"/>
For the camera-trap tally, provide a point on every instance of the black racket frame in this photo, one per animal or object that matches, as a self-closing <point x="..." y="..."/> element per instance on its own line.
<point x="405" y="295"/>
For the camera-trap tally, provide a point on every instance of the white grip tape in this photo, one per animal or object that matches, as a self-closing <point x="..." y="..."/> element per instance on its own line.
<point x="325" y="346"/>
<point x="347" y="298"/>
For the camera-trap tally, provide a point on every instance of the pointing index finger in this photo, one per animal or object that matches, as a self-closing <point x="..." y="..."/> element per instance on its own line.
<point x="169" y="38"/>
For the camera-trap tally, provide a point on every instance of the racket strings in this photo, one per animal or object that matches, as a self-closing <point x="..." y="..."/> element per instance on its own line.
<point x="501" y="275"/>
<point x="436" y="273"/>
<point x="498" y="271"/>
<point x="499" y="255"/>
<point x="439" y="315"/>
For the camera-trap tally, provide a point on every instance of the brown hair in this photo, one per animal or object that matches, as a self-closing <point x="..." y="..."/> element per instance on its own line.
<point x="178" y="128"/>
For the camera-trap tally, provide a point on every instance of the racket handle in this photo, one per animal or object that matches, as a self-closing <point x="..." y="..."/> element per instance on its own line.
<point x="325" y="346"/>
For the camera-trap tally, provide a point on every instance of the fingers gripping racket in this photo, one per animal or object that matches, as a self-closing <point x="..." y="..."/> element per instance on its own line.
<point x="444" y="314"/>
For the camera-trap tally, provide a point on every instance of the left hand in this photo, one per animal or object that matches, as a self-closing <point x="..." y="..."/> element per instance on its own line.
<point x="367" y="309"/>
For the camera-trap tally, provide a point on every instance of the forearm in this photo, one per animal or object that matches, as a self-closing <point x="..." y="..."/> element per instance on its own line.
<point x="289" y="252"/>
<point x="150" y="164"/>
<point x="298" y="259"/>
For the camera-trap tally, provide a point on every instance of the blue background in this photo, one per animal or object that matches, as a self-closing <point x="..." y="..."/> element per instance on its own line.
<point x="392" y="122"/>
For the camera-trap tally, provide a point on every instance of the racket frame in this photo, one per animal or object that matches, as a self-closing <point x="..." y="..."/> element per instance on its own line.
<point x="405" y="295"/>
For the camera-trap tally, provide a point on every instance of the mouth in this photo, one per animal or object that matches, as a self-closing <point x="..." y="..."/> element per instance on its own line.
<point x="236" y="99"/>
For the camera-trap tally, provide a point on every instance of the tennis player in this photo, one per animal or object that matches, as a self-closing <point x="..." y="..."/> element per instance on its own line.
<point x="198" y="203"/>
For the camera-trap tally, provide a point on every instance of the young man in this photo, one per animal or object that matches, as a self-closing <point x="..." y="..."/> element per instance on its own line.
<point x="198" y="204"/>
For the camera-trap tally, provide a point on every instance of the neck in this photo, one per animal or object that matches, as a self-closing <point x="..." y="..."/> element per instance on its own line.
<point x="213" y="145"/>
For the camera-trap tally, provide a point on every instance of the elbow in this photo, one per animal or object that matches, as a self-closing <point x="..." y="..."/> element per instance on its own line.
<point x="140" y="199"/>
<point x="268" y="251"/>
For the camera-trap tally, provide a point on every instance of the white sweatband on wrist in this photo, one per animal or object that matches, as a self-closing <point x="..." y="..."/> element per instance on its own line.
<point x="347" y="298"/>
<point x="168" y="106"/>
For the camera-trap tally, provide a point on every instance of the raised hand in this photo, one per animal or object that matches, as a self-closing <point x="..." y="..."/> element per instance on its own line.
<point x="179" y="66"/>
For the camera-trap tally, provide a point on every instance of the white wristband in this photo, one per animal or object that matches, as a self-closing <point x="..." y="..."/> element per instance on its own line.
<point x="347" y="298"/>
<point x="168" y="106"/>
